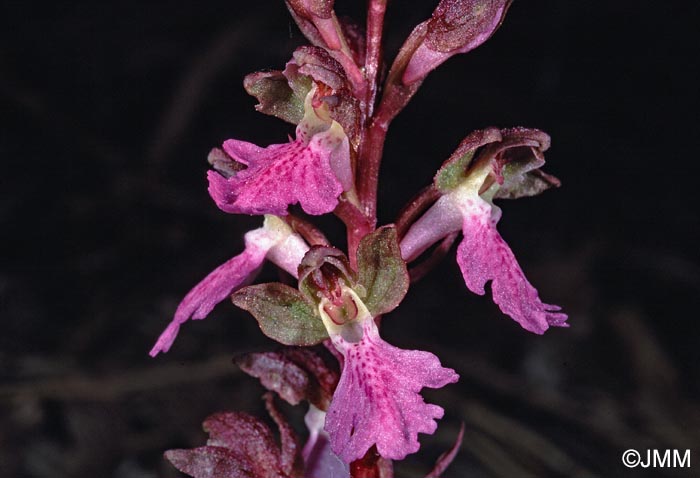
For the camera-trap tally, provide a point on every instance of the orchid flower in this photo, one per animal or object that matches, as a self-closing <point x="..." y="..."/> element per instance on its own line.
<point x="508" y="167"/>
<point x="365" y="402"/>
<point x="377" y="401"/>
<point x="274" y="241"/>
<point x="312" y="170"/>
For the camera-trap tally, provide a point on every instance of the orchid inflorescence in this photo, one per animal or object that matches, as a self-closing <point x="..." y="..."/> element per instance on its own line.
<point x="365" y="407"/>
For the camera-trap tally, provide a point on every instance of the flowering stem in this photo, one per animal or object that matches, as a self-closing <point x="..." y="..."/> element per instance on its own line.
<point x="367" y="466"/>
<point x="371" y="151"/>
<point x="375" y="25"/>
<point x="357" y="226"/>
<point x="373" y="134"/>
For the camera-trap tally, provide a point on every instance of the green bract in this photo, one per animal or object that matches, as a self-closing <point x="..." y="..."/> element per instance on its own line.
<point x="283" y="313"/>
<point x="382" y="271"/>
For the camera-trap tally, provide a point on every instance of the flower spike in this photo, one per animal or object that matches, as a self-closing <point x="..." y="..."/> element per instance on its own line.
<point x="274" y="241"/>
<point x="366" y="408"/>
<point x="313" y="170"/>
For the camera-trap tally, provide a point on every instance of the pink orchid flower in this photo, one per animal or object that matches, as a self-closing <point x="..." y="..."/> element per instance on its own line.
<point x="274" y="241"/>
<point x="377" y="401"/>
<point x="312" y="170"/>
<point x="482" y="255"/>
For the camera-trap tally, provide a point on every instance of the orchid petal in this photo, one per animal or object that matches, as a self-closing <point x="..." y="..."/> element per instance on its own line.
<point x="484" y="256"/>
<point x="275" y="238"/>
<point x="377" y="400"/>
<point x="312" y="170"/>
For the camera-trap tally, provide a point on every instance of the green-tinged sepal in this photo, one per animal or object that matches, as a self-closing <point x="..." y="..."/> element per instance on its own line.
<point x="280" y="94"/>
<point x="455" y="170"/>
<point x="382" y="271"/>
<point x="518" y="162"/>
<point x="530" y="183"/>
<point x="453" y="174"/>
<point x="498" y="164"/>
<point x="283" y="313"/>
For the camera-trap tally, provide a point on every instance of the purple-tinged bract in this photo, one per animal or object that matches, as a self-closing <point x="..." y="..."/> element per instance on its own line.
<point x="241" y="446"/>
<point x="456" y="26"/>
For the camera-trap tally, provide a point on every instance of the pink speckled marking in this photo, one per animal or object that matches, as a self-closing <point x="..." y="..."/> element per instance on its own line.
<point x="311" y="170"/>
<point x="484" y="256"/>
<point x="284" y="247"/>
<point x="378" y="401"/>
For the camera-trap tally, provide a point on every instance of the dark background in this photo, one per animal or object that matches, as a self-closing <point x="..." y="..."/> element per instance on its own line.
<point x="107" y="112"/>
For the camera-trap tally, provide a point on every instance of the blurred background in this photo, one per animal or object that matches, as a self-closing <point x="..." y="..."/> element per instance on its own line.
<point x="107" y="113"/>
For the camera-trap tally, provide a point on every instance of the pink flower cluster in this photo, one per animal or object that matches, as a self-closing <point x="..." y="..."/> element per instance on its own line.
<point x="329" y="91"/>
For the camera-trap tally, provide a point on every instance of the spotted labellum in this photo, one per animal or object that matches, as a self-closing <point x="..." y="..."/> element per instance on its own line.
<point x="362" y="396"/>
<point x="377" y="401"/>
<point x="312" y="170"/>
